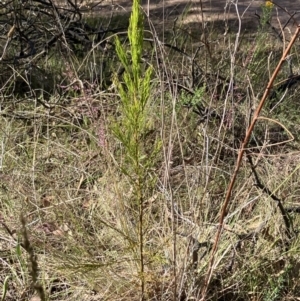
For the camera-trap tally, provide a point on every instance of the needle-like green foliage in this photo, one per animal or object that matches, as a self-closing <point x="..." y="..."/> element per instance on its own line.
<point x="134" y="91"/>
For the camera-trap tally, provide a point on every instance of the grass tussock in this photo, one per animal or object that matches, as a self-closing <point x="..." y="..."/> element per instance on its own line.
<point x="116" y="156"/>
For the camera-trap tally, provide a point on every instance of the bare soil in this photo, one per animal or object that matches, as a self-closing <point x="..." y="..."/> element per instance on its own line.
<point x="206" y="10"/>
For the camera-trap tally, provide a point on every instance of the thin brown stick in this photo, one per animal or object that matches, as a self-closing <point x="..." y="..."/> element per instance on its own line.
<point x="239" y="160"/>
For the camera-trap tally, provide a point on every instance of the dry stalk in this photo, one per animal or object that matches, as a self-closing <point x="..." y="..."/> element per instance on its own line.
<point x="239" y="160"/>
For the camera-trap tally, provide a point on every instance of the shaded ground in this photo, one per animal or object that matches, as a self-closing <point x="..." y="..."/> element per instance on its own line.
<point x="207" y="10"/>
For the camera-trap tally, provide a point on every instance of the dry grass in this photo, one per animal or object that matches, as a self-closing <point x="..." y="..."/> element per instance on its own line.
<point x="60" y="170"/>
